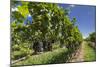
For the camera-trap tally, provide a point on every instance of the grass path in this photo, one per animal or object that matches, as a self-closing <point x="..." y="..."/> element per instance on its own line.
<point x="86" y="53"/>
<point x="79" y="57"/>
<point x="89" y="53"/>
<point x="81" y="53"/>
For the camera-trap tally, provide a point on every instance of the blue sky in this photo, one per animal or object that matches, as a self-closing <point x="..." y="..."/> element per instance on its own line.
<point x="85" y="16"/>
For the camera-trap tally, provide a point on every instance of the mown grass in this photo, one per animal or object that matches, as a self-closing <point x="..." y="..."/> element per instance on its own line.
<point x="89" y="53"/>
<point x="52" y="57"/>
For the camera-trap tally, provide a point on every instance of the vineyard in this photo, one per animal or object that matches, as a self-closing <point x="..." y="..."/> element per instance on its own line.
<point x="43" y="33"/>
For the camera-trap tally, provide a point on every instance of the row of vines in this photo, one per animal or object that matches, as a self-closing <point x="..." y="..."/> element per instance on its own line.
<point x="91" y="40"/>
<point x="36" y="27"/>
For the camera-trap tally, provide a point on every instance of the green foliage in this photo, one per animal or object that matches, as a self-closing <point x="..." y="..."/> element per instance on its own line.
<point x="91" y="37"/>
<point x="15" y="48"/>
<point x="18" y="55"/>
<point x="57" y="56"/>
<point x="55" y="46"/>
<point x="23" y="9"/>
<point x="91" y="40"/>
<point x="19" y="51"/>
<point x="49" y="22"/>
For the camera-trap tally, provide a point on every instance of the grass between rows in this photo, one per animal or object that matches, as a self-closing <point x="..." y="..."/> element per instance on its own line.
<point x="52" y="57"/>
<point x="89" y="53"/>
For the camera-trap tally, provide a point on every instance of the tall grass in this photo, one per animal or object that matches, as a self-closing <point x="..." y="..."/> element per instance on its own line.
<point x="56" y="56"/>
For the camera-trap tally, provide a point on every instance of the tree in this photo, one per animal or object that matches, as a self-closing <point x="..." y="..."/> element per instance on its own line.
<point x="91" y="37"/>
<point x="50" y="22"/>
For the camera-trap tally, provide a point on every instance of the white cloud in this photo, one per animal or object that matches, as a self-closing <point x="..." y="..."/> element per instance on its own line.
<point x="72" y="5"/>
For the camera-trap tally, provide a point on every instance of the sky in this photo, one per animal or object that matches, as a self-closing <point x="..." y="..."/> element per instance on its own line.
<point x="85" y="16"/>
